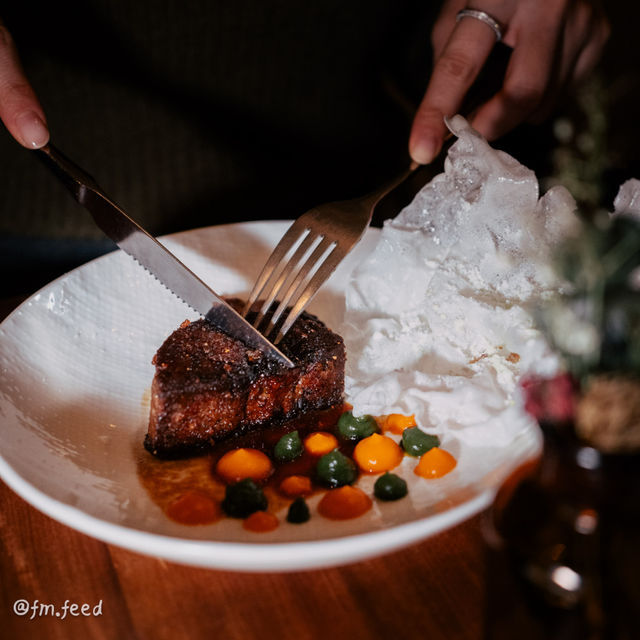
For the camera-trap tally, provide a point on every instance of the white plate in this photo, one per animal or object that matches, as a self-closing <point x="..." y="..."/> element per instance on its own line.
<point x="74" y="400"/>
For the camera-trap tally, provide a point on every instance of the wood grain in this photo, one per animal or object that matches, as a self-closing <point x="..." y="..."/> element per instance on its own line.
<point x="432" y="590"/>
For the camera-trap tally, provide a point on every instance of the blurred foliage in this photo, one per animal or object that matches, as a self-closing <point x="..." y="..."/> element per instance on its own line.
<point x="580" y="159"/>
<point x="595" y="321"/>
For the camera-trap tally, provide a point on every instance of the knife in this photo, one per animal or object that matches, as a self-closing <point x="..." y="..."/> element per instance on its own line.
<point x="153" y="255"/>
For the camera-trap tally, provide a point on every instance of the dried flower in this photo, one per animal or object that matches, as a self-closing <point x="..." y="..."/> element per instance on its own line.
<point x="594" y="323"/>
<point x="551" y="399"/>
<point x="607" y="414"/>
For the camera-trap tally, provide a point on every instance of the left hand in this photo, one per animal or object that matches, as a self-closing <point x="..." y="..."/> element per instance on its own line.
<point x="555" y="43"/>
<point x="20" y="109"/>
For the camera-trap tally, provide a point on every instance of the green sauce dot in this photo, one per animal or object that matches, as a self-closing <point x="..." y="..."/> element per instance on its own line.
<point x="355" y="428"/>
<point x="416" y="442"/>
<point x="288" y="448"/>
<point x="389" y="486"/>
<point x="298" y="511"/>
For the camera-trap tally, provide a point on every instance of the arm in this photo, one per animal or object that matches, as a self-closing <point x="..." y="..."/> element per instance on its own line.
<point x="19" y="107"/>
<point x="555" y="44"/>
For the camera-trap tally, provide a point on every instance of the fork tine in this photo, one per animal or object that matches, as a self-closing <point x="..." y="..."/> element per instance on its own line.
<point x="282" y="276"/>
<point x="301" y="277"/>
<point x="291" y="236"/>
<point x="324" y="236"/>
<point x="302" y="300"/>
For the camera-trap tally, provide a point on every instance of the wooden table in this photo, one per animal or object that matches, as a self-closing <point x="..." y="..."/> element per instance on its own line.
<point x="432" y="590"/>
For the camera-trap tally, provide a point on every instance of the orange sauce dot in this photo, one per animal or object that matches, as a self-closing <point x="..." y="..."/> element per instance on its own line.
<point x="238" y="464"/>
<point x="397" y="423"/>
<point x="377" y="454"/>
<point x="344" y="503"/>
<point x="194" y="508"/>
<point x="260" y="522"/>
<point x="435" y="463"/>
<point x="295" y="486"/>
<point x="320" y="442"/>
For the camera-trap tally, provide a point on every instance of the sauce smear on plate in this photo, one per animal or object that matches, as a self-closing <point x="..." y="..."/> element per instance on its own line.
<point x="287" y="464"/>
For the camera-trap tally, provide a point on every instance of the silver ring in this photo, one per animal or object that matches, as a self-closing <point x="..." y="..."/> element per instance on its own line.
<point x="490" y="21"/>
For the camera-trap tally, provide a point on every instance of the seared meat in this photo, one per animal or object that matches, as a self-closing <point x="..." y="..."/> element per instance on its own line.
<point x="208" y="385"/>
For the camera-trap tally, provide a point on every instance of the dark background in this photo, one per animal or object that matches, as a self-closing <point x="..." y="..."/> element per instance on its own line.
<point x="197" y="113"/>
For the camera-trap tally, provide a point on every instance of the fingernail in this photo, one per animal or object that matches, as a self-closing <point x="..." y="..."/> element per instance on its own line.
<point x="424" y="150"/>
<point x="32" y="130"/>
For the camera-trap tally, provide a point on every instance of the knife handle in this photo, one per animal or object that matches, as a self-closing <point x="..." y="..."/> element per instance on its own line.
<point x="71" y="175"/>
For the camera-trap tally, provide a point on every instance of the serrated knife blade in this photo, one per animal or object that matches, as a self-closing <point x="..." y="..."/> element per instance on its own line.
<point x="153" y="255"/>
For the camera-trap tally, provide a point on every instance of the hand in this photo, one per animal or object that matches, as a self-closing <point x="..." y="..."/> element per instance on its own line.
<point x="555" y="44"/>
<point x="19" y="108"/>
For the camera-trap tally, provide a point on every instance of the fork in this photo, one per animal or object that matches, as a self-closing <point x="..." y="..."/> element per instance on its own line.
<point x="318" y="241"/>
<point x="307" y="255"/>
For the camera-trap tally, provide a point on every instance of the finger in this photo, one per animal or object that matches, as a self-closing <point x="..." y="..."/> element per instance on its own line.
<point x="444" y="25"/>
<point x="580" y="35"/>
<point x="585" y="34"/>
<point x="578" y="32"/>
<point x="591" y="53"/>
<point x="454" y="72"/>
<point x="530" y="76"/>
<point x="19" y="108"/>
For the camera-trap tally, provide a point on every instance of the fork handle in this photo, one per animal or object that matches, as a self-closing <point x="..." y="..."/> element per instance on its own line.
<point x="486" y="85"/>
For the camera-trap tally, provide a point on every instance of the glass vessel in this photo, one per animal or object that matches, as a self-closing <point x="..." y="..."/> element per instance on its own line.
<point x="564" y="545"/>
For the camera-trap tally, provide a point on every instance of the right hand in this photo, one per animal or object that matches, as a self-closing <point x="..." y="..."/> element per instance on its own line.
<point x="20" y="109"/>
<point x="555" y="45"/>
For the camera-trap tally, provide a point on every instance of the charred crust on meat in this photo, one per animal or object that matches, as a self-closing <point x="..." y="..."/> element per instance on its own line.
<point x="209" y="386"/>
